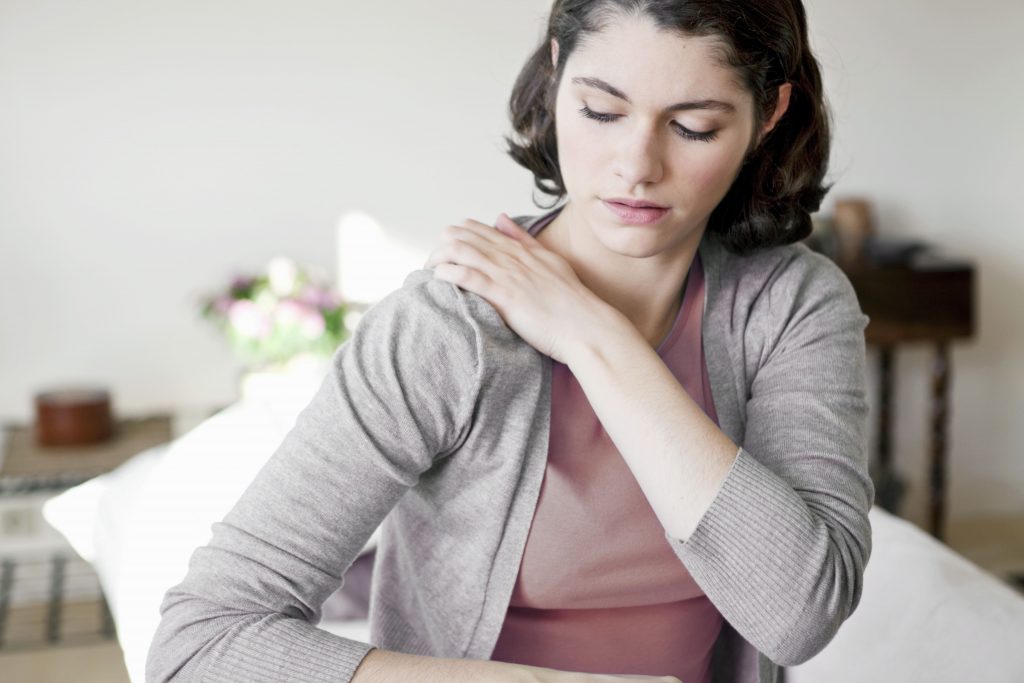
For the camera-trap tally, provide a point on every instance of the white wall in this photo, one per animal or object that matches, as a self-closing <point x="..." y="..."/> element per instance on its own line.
<point x="149" y="149"/>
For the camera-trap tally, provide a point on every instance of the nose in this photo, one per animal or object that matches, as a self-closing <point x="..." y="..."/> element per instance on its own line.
<point x="640" y="158"/>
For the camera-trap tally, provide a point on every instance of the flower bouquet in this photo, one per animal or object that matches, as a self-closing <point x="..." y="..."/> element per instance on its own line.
<point x="283" y="324"/>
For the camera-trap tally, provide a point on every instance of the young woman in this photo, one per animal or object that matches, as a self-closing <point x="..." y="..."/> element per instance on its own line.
<point x="621" y="439"/>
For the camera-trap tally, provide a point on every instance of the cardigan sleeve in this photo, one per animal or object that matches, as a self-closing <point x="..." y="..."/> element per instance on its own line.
<point x="397" y="398"/>
<point x="782" y="548"/>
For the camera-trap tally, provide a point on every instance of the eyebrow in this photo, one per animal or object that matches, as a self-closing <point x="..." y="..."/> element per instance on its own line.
<point x="679" y="106"/>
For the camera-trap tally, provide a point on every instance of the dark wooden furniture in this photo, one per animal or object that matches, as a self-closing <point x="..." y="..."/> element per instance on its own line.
<point x="928" y="299"/>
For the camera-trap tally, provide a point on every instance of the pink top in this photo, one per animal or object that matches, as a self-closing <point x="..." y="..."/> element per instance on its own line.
<point x="599" y="589"/>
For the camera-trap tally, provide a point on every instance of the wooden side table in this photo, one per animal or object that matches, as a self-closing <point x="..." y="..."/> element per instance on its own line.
<point x="929" y="299"/>
<point x="26" y="465"/>
<point x="48" y="595"/>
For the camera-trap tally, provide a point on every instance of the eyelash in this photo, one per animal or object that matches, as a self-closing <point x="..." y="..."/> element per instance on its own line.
<point x="684" y="132"/>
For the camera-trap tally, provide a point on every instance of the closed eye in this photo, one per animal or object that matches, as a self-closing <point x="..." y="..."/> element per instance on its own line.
<point x="682" y="130"/>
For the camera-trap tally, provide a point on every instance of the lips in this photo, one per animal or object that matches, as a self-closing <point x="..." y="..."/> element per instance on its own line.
<point x="631" y="215"/>
<point x="636" y="203"/>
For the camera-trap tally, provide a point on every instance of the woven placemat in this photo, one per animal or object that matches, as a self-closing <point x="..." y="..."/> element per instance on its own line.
<point x="24" y="464"/>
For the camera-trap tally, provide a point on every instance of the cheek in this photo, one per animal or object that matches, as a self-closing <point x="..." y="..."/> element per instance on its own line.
<point x="582" y="144"/>
<point x="579" y="145"/>
<point x="710" y="175"/>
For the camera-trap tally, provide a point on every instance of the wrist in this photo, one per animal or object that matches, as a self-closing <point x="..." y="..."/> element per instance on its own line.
<point x="604" y="326"/>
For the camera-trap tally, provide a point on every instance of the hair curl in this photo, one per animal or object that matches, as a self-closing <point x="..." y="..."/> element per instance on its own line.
<point x="765" y="42"/>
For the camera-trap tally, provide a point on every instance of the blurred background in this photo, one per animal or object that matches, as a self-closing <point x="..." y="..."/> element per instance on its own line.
<point x="153" y="154"/>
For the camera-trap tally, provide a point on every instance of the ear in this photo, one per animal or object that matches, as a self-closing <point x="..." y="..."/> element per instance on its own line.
<point x="780" y="108"/>
<point x="554" y="53"/>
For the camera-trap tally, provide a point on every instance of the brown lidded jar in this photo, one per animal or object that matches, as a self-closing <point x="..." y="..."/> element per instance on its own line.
<point x="73" y="416"/>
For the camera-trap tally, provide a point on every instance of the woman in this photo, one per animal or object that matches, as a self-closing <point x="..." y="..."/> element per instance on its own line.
<point x="621" y="442"/>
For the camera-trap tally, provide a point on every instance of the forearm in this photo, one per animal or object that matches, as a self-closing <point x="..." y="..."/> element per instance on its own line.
<point x="387" y="666"/>
<point x="776" y="533"/>
<point x="676" y="453"/>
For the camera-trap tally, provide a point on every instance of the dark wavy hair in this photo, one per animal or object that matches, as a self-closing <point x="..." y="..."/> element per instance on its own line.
<point x="765" y="43"/>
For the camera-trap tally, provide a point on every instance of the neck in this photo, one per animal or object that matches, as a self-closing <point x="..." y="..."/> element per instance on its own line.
<point x="646" y="286"/>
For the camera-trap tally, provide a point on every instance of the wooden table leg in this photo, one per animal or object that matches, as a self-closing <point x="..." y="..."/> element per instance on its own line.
<point x="941" y="372"/>
<point x="888" y="487"/>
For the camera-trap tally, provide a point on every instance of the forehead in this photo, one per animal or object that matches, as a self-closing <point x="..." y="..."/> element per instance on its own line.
<point x="645" y="60"/>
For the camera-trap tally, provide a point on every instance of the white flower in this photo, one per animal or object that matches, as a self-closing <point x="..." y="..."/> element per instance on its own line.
<point x="248" y="320"/>
<point x="266" y="301"/>
<point x="283" y="273"/>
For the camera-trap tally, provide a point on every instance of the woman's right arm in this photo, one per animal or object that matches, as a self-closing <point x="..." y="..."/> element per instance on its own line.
<point x="398" y="398"/>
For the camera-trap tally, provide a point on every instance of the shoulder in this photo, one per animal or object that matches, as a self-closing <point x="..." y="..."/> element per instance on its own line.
<point x="787" y="278"/>
<point x="788" y="296"/>
<point x="441" y="303"/>
<point x="434" y="324"/>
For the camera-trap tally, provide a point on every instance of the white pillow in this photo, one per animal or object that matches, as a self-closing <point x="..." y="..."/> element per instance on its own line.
<point x="926" y="614"/>
<point x="93" y="515"/>
<point x="139" y="524"/>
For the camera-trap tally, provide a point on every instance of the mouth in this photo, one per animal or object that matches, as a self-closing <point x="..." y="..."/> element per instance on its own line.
<point x="636" y="215"/>
<point x="636" y="203"/>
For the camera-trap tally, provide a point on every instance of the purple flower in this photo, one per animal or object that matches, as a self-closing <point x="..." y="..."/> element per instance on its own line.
<point x="320" y="298"/>
<point x="312" y="325"/>
<point x="222" y="304"/>
<point x="309" y="321"/>
<point x="241" y="282"/>
<point x="290" y="311"/>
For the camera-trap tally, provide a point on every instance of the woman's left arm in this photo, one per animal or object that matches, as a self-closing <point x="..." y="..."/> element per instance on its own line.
<point x="776" y="533"/>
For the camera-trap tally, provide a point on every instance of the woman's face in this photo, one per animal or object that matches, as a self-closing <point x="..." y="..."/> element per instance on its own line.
<point x="684" y="158"/>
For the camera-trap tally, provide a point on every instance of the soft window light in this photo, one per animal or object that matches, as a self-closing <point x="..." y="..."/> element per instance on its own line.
<point x="371" y="262"/>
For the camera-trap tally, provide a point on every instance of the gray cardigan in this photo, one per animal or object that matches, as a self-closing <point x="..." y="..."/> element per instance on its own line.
<point x="434" y="419"/>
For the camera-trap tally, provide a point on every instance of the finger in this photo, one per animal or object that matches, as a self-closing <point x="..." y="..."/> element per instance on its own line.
<point x="484" y="237"/>
<point x="481" y="230"/>
<point x="505" y="224"/>
<point x="468" y="278"/>
<point x="511" y="228"/>
<point x="465" y="253"/>
<point x="436" y="256"/>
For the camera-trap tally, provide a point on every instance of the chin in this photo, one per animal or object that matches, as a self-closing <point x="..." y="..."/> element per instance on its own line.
<point x="636" y="241"/>
<point x="644" y="240"/>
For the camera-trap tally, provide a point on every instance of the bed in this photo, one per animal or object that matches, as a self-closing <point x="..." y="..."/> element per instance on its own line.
<point x="927" y="613"/>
